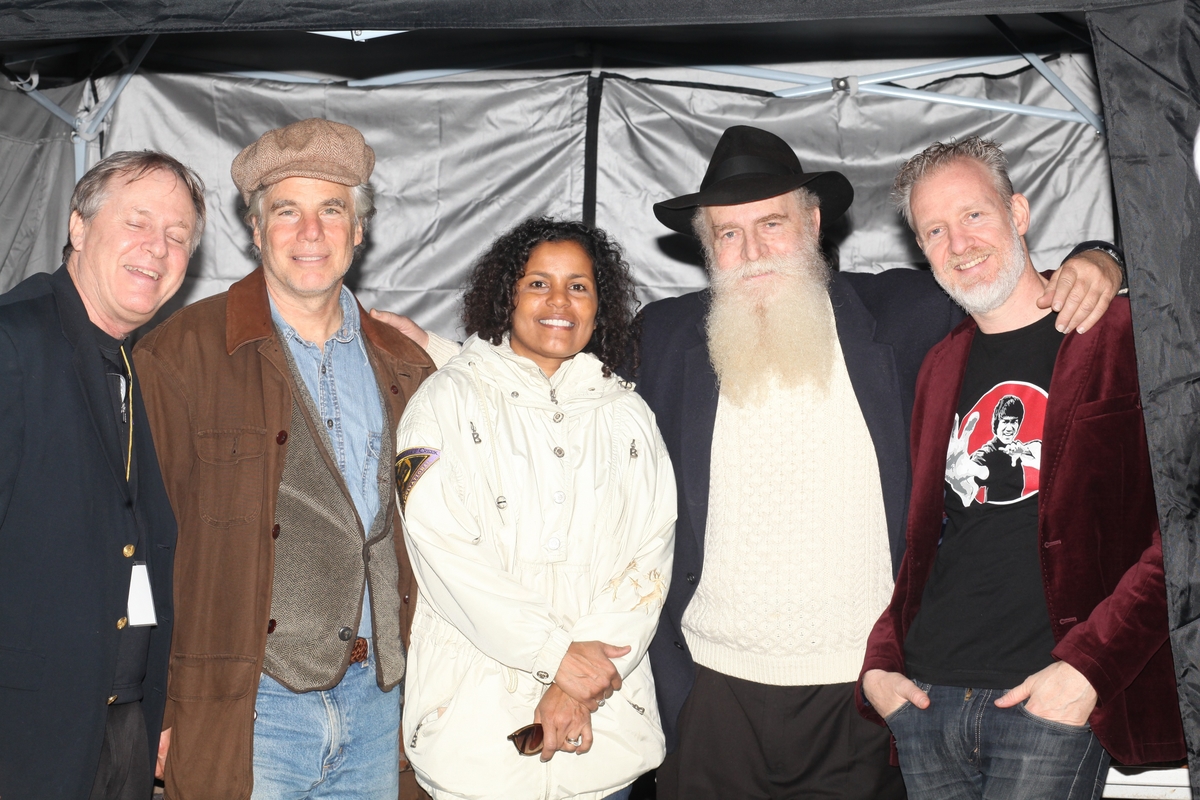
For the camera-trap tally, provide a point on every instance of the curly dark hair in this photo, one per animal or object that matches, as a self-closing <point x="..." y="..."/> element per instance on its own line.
<point x="490" y="297"/>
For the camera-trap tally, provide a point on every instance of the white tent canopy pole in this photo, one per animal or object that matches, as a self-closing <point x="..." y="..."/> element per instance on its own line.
<point x="417" y="75"/>
<point x="85" y="128"/>
<point x="813" y="85"/>
<point x="1047" y="73"/>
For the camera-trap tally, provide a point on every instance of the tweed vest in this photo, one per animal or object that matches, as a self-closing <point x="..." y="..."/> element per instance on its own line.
<point x="322" y="561"/>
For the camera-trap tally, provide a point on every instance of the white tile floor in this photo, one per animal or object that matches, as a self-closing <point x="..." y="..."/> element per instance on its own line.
<point x="1164" y="784"/>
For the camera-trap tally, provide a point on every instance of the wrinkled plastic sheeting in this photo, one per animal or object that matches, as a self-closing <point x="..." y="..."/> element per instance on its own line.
<point x="460" y="162"/>
<point x="655" y="140"/>
<point x="1148" y="62"/>
<point x="456" y="164"/>
<point x="37" y="176"/>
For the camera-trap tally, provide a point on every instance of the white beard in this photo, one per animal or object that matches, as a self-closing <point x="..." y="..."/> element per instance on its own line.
<point x="982" y="298"/>
<point x="778" y="328"/>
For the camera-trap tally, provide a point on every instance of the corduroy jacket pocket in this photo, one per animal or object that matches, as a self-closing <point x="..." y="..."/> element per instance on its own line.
<point x="229" y="475"/>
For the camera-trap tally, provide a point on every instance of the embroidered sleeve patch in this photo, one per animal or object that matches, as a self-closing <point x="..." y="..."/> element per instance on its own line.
<point x="410" y="466"/>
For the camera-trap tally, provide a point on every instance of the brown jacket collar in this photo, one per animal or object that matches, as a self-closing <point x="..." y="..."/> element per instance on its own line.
<point x="248" y="319"/>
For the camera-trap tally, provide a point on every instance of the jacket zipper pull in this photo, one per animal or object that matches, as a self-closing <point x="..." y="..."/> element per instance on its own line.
<point x="553" y="397"/>
<point x="633" y="449"/>
<point x="475" y="434"/>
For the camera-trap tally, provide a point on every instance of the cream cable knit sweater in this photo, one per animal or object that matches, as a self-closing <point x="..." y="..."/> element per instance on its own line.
<point x="796" y="560"/>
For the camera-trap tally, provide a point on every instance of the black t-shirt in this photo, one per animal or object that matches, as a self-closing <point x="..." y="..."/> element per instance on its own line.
<point x="983" y="621"/>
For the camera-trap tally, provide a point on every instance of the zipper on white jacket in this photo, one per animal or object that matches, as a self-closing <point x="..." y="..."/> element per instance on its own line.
<point x="501" y="500"/>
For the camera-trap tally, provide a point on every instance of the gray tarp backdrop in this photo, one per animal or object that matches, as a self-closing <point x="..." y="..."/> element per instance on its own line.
<point x="655" y="140"/>
<point x="36" y="166"/>
<point x="459" y="162"/>
<point x="455" y="164"/>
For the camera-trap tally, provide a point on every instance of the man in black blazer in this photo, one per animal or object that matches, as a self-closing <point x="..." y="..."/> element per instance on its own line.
<point x="87" y="535"/>
<point x="796" y="430"/>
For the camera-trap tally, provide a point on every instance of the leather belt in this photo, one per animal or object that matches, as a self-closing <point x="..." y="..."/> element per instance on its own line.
<point x="358" y="653"/>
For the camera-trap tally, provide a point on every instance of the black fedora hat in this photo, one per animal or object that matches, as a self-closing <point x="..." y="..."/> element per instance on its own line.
<point x="751" y="164"/>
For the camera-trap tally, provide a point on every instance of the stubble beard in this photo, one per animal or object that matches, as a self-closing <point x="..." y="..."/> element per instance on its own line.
<point x="983" y="298"/>
<point x="777" y="329"/>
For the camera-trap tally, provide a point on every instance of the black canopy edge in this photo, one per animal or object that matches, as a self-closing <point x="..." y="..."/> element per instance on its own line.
<point x="90" y="18"/>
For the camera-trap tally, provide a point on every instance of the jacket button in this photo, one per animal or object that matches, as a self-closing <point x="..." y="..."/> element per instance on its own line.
<point x="122" y="622"/>
<point x="558" y="451"/>
<point x="395" y="389"/>
<point x="271" y="626"/>
<point x="328" y="423"/>
<point x="112" y="699"/>
<point x="677" y="644"/>
<point x="542" y="674"/>
<point x="275" y="531"/>
<point x="405" y="599"/>
<point x="127" y="550"/>
<point x="558" y="416"/>
<point x="345" y="634"/>
<point x="691" y="577"/>
<point x="281" y="437"/>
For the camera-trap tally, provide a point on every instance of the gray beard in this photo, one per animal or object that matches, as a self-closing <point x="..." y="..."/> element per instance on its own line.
<point x="987" y="297"/>
<point x="783" y="331"/>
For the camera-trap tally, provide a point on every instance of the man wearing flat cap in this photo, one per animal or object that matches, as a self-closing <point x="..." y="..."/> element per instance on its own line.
<point x="273" y="408"/>
<point x="783" y="393"/>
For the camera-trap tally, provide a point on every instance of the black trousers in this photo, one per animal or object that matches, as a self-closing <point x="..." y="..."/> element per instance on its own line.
<point x="750" y="741"/>
<point x="125" y="772"/>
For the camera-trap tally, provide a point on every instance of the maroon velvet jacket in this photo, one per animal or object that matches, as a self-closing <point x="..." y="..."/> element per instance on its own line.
<point x="1100" y="549"/>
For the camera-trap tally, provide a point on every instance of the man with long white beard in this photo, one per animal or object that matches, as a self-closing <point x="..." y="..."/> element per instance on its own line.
<point x="770" y="320"/>
<point x="1026" y="640"/>
<point x="783" y="395"/>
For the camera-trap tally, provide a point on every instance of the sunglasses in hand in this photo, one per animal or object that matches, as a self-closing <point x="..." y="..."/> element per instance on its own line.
<point x="528" y="740"/>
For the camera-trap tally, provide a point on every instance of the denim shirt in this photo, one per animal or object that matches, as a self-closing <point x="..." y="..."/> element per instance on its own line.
<point x="345" y="393"/>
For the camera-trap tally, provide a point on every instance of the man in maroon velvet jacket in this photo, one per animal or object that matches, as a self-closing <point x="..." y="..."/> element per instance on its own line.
<point x="1026" y="640"/>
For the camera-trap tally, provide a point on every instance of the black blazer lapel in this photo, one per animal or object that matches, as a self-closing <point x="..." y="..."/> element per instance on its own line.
<point x="876" y="382"/>
<point x="85" y="359"/>
<point x="699" y="418"/>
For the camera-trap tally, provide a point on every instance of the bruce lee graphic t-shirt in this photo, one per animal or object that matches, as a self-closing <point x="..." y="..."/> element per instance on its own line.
<point x="983" y="621"/>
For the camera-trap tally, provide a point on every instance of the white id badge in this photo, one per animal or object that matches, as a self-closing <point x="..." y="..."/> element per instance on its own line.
<point x="141" y="601"/>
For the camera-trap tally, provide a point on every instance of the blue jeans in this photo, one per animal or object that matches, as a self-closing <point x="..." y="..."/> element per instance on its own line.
<point x="621" y="794"/>
<point x="963" y="747"/>
<point x="339" y="744"/>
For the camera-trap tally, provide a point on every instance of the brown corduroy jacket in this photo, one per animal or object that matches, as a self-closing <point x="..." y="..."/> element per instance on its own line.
<point x="216" y="387"/>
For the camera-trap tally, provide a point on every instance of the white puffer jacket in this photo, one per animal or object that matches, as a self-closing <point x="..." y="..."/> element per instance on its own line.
<point x="537" y="512"/>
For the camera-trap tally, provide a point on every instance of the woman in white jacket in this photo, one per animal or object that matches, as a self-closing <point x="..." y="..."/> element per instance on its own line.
<point x="539" y="512"/>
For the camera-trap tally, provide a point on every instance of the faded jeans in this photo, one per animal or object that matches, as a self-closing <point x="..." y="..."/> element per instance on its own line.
<point x="965" y="748"/>
<point x="339" y="744"/>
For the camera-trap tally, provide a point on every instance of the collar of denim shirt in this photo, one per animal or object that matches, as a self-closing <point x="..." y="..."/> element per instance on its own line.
<point x="350" y="328"/>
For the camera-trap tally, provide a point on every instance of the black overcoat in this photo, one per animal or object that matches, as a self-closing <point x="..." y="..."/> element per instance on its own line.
<point x="66" y="515"/>
<point x="886" y="323"/>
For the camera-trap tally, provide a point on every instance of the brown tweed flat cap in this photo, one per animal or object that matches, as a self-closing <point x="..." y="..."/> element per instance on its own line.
<point x="311" y="148"/>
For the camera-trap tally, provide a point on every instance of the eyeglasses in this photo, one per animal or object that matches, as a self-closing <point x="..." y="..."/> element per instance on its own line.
<point x="528" y="740"/>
